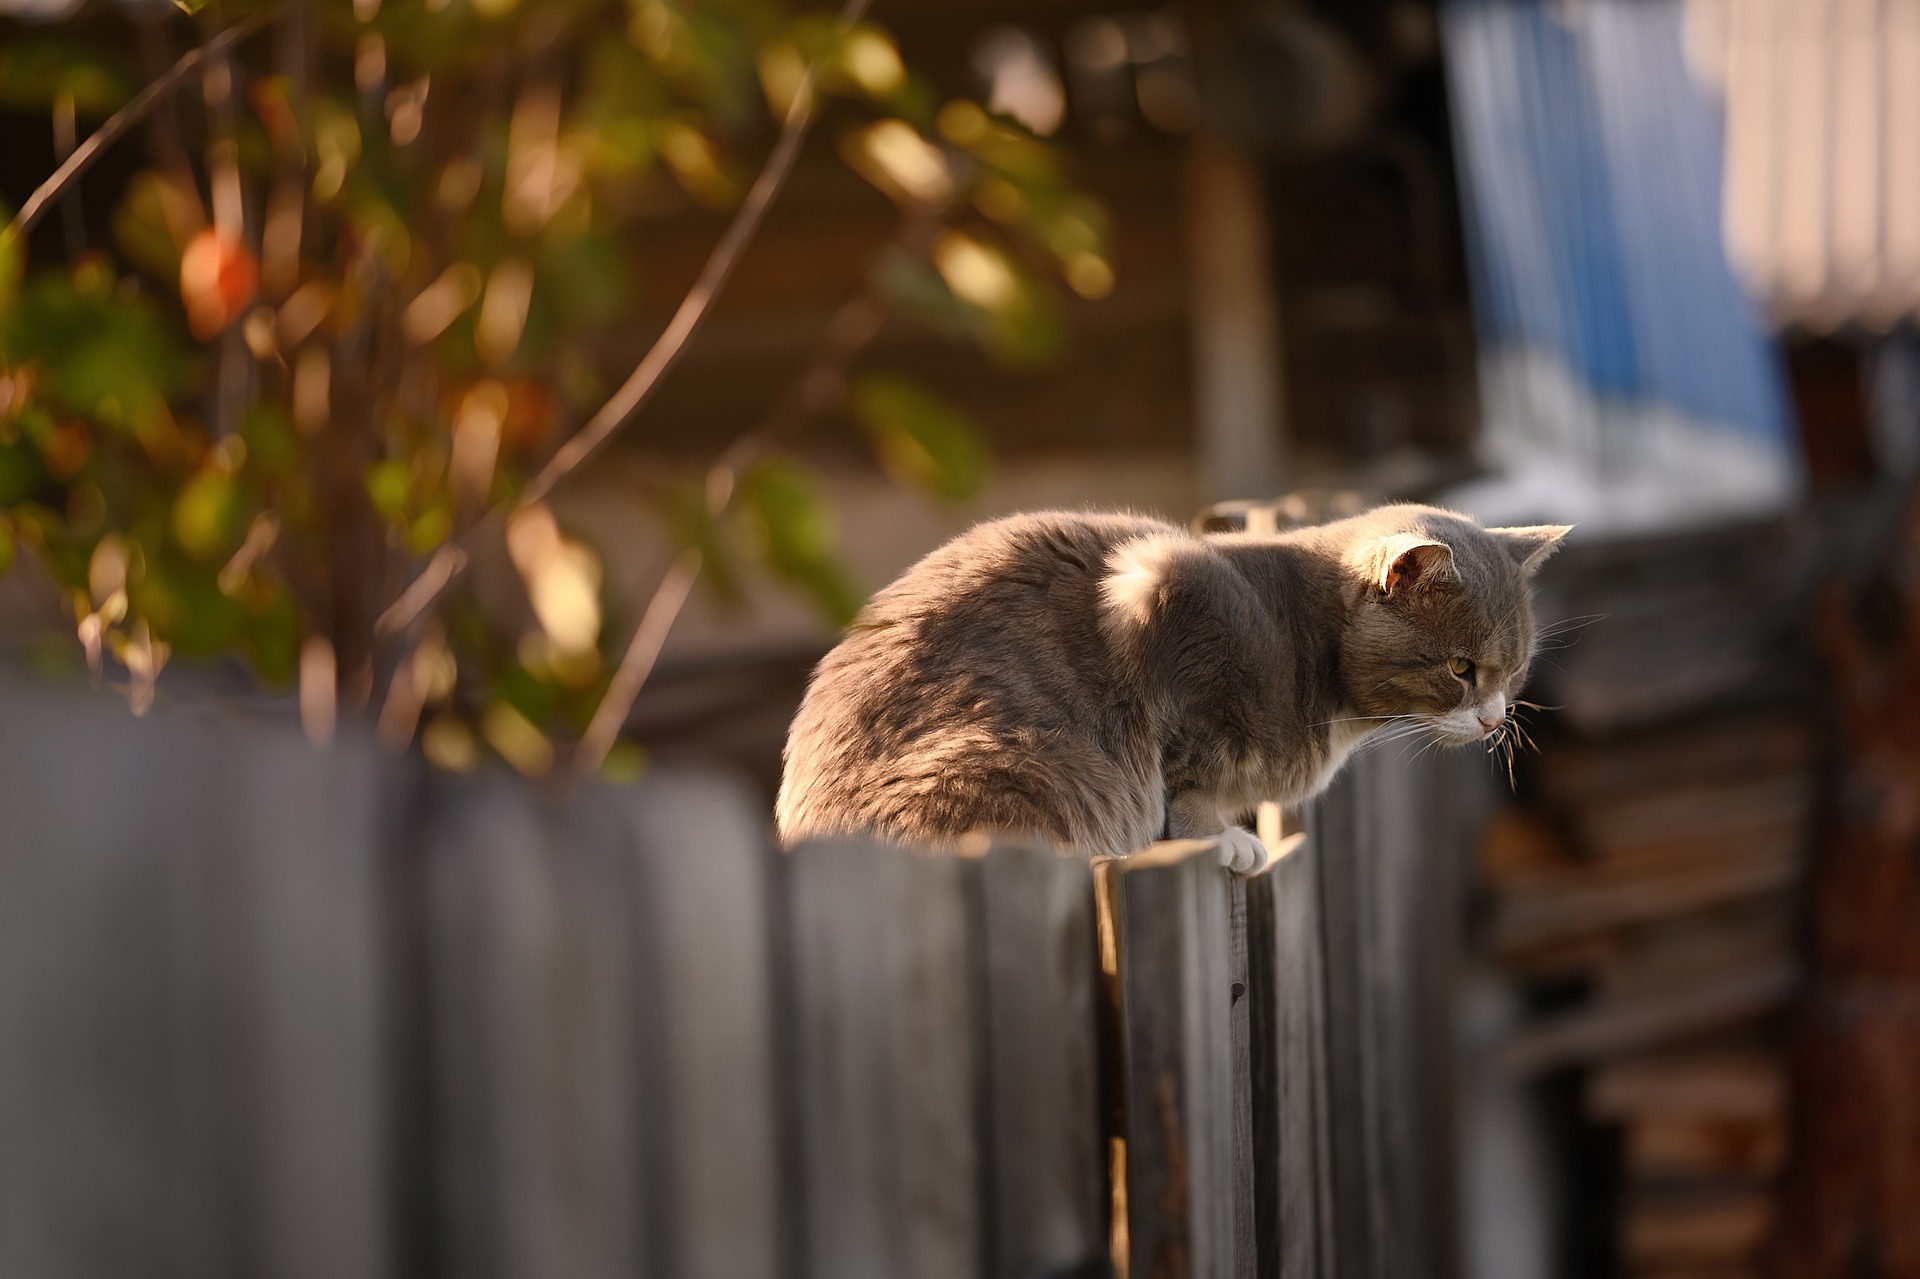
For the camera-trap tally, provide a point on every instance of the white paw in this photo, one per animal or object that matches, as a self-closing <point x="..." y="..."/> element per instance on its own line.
<point x="1240" y="850"/>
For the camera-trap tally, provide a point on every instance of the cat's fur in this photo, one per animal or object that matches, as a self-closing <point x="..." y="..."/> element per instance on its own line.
<point x="1099" y="681"/>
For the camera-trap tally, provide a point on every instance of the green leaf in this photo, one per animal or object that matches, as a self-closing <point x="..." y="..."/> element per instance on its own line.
<point x="389" y="485"/>
<point x="206" y="515"/>
<point x="921" y="439"/>
<point x="273" y="448"/>
<point x="625" y="764"/>
<point x="918" y="291"/>
<point x="796" y="536"/>
<point x="140" y="227"/>
<point x="694" y="527"/>
<point x="20" y="471"/>
<point x="36" y="73"/>
<point x="10" y="260"/>
<point x="273" y="636"/>
<point x="6" y="546"/>
<point x="112" y="358"/>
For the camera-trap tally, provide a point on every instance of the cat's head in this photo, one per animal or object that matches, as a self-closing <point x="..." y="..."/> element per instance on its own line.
<point x="1442" y="631"/>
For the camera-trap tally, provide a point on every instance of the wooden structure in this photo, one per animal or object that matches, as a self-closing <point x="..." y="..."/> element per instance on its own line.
<point x="1650" y="893"/>
<point x="277" y="1013"/>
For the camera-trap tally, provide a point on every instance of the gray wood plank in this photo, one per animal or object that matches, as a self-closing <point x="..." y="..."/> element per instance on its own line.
<point x="1046" y="1155"/>
<point x="887" y="1081"/>
<point x="540" y="992"/>
<point x="310" y="830"/>
<point x="1239" y="962"/>
<point x="1287" y="994"/>
<point x="1337" y="827"/>
<point x="1184" y="1114"/>
<point x="703" y="884"/>
<point x="1394" y="842"/>
<point x="102" y="1036"/>
<point x="190" y="1048"/>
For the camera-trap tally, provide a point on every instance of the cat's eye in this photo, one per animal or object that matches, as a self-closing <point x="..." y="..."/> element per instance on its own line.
<point x="1461" y="666"/>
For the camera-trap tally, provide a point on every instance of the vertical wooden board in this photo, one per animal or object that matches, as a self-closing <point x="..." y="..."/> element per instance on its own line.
<point x="111" y="1162"/>
<point x="539" y="992"/>
<point x="190" y="1036"/>
<point x="1172" y="913"/>
<point x="309" y="828"/>
<point x="1046" y="1157"/>
<point x="1287" y="993"/>
<point x="886" y="1081"/>
<point x="83" y="980"/>
<point x="1240" y="1062"/>
<point x="703" y="874"/>
<point x="1337" y="829"/>
<point x="1424" y="812"/>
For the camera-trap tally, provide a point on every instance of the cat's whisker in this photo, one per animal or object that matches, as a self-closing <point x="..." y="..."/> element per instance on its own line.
<point x="1568" y="624"/>
<point x="1395" y="733"/>
<point x="1354" y="719"/>
<point x="1531" y="744"/>
<point x="1535" y="706"/>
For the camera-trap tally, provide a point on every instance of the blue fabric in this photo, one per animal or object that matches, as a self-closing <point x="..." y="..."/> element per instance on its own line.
<point x="1591" y="161"/>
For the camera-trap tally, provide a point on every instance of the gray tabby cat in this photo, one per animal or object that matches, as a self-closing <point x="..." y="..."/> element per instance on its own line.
<point x="1099" y="681"/>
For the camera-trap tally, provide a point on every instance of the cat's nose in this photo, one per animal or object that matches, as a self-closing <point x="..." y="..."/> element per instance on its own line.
<point x="1488" y="725"/>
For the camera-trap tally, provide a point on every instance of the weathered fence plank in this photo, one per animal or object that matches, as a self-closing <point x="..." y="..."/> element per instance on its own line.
<point x="704" y="886"/>
<point x="311" y="830"/>
<point x="1187" y="1117"/>
<point x="887" y="1084"/>
<point x="190" y="1055"/>
<point x="1391" y="839"/>
<point x="648" y="1043"/>
<point x="542" y="992"/>
<point x="1046" y="1154"/>
<point x="1288" y="996"/>
<point x="1359" y="1220"/>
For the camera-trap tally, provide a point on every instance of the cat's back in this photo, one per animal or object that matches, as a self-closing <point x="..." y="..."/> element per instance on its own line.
<point x="986" y="653"/>
<point x="1039" y="554"/>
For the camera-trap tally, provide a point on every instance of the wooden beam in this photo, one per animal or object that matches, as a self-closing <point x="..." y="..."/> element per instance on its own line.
<point x="1239" y="398"/>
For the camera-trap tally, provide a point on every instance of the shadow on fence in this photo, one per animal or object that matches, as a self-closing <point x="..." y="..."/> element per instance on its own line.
<point x="270" y="1012"/>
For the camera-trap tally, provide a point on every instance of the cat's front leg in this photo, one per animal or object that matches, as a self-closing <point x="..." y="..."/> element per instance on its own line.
<point x="1196" y="816"/>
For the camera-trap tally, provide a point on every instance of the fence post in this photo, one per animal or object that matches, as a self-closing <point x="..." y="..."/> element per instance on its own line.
<point x="1286" y="987"/>
<point x="1389" y="841"/>
<point x="703" y="876"/>
<point x="191" y="1055"/>
<point x="1177" y="923"/>
<point x="1046" y="1158"/>
<point x="547" y="1094"/>
<point x="886" y="1078"/>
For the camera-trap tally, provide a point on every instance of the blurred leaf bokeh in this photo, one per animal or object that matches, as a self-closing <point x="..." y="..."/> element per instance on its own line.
<point x="362" y="293"/>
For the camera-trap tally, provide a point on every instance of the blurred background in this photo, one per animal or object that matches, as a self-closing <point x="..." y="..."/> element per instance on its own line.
<point x="542" y="383"/>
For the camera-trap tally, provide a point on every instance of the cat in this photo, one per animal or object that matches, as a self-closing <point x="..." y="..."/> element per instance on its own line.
<point x="1099" y="681"/>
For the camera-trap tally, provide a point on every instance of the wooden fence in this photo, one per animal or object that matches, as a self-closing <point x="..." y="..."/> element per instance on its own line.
<point x="272" y="1012"/>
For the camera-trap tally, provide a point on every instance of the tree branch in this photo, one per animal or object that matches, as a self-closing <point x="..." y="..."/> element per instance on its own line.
<point x="640" y="385"/>
<point x="817" y="387"/>
<point x="642" y="652"/>
<point x="126" y="117"/>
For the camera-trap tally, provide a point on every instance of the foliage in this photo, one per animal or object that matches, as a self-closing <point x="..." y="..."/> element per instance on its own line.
<point x="366" y="299"/>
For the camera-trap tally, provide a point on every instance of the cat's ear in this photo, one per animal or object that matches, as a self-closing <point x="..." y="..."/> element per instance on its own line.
<point x="1412" y="562"/>
<point x="1530" y="546"/>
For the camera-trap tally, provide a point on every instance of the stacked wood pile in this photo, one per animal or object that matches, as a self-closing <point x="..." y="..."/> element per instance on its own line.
<point x="1665" y="885"/>
<point x="1856" y="1181"/>
<point x="1648" y="889"/>
<point x="272" y="1012"/>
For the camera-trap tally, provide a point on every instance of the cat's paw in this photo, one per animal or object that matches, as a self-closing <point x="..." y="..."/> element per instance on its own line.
<point x="1240" y="850"/>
